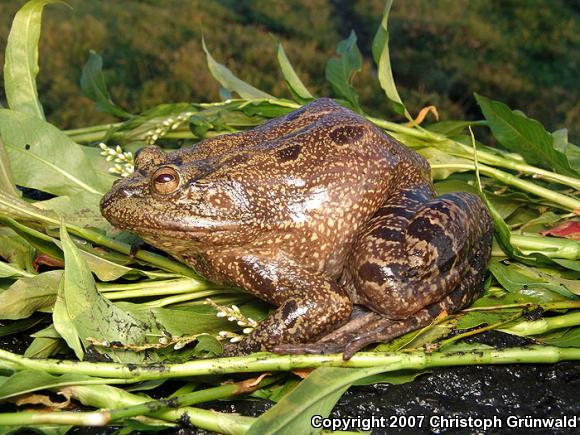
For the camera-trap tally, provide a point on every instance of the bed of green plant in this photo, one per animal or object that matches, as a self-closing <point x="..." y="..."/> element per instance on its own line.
<point x="113" y="323"/>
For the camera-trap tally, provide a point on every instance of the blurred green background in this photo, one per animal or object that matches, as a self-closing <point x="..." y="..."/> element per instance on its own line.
<point x="523" y="52"/>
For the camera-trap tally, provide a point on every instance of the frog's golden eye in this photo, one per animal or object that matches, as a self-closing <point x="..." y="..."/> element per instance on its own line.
<point x="165" y="180"/>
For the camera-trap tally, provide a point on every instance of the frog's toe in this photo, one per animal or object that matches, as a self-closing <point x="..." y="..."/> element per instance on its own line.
<point x="234" y="349"/>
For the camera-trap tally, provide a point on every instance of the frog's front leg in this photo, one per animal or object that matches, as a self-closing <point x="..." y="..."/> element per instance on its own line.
<point x="309" y="304"/>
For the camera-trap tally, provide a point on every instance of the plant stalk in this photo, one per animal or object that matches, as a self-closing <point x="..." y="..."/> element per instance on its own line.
<point x="262" y="362"/>
<point x="158" y="408"/>
<point x="563" y="201"/>
<point x="546" y="324"/>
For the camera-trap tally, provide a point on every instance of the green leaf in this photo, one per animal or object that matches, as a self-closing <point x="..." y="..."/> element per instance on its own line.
<point x="94" y="86"/>
<point x="46" y="343"/>
<point x="316" y="395"/>
<point x="81" y="313"/>
<point x="393" y="378"/>
<point x="229" y="81"/>
<point x="8" y="270"/>
<point x="7" y="184"/>
<point x="452" y="128"/>
<point x="340" y="71"/>
<point x="526" y="136"/>
<point x="81" y="209"/>
<point x="570" y="150"/>
<point x="442" y="164"/>
<point x="19" y="326"/>
<point x="27" y="381"/>
<point x="21" y="59"/>
<point x="15" y="249"/>
<point x="30" y="294"/>
<point x="477" y="318"/>
<point x="18" y="208"/>
<point x="380" y="50"/>
<point x="106" y="269"/>
<point x="569" y="338"/>
<point x="515" y="278"/>
<point x="208" y="345"/>
<point x="44" y="158"/>
<point x="295" y="85"/>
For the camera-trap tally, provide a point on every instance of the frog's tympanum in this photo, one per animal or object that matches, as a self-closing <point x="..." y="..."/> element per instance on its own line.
<point x="315" y="212"/>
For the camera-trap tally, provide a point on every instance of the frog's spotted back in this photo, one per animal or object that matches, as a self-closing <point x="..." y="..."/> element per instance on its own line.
<point x="312" y="211"/>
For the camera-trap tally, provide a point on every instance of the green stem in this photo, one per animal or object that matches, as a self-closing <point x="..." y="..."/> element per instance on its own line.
<point x="101" y="397"/>
<point x="549" y="246"/>
<point x="469" y="333"/>
<point x="171" y="300"/>
<point x="482" y="156"/>
<point x="563" y="305"/>
<point x="92" y="133"/>
<point x="263" y="362"/>
<point x="541" y="326"/>
<point x="150" y="257"/>
<point x="563" y="201"/>
<point x="100" y="239"/>
<point x="153" y="288"/>
<point x="157" y="408"/>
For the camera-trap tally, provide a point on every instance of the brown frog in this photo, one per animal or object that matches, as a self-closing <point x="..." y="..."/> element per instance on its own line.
<point x="313" y="212"/>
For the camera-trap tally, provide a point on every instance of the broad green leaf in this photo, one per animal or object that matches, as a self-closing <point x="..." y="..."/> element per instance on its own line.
<point x="295" y="85"/>
<point x="340" y="71"/>
<point x="46" y="343"/>
<point x="81" y="209"/>
<point x="393" y="378"/>
<point x="44" y="158"/>
<point x="194" y="320"/>
<point x="15" y="249"/>
<point x="27" y="381"/>
<point x="17" y="208"/>
<point x="21" y="59"/>
<point x="451" y="128"/>
<point x="8" y="270"/>
<point x="229" y="81"/>
<point x="316" y="395"/>
<point x="523" y="135"/>
<point x="477" y="318"/>
<point x="208" y="345"/>
<point x="443" y="164"/>
<point x="94" y="86"/>
<point x="30" y="294"/>
<point x="539" y="289"/>
<point x="570" y="150"/>
<point x="380" y="50"/>
<point x="569" y="338"/>
<point x="81" y="313"/>
<point x="104" y="265"/>
<point x="19" y="326"/>
<point x="6" y="180"/>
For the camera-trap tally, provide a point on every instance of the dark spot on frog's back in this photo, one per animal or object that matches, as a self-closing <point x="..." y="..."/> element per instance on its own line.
<point x="347" y="134"/>
<point x="289" y="153"/>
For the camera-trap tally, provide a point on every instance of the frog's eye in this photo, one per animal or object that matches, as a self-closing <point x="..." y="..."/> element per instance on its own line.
<point x="165" y="180"/>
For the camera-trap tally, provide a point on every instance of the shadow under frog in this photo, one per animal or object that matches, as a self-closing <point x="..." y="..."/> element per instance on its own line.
<point x="313" y="212"/>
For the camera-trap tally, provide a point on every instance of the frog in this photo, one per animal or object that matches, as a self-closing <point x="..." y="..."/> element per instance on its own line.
<point x="321" y="214"/>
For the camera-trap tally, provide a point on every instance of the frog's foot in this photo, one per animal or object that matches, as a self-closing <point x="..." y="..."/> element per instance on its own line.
<point x="337" y="340"/>
<point x="378" y="329"/>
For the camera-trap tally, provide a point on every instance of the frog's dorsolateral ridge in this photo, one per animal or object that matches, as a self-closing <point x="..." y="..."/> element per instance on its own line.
<point x="313" y="212"/>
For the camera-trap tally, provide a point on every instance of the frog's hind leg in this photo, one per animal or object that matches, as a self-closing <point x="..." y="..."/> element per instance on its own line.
<point x="365" y="328"/>
<point x="411" y="257"/>
<point x="417" y="258"/>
